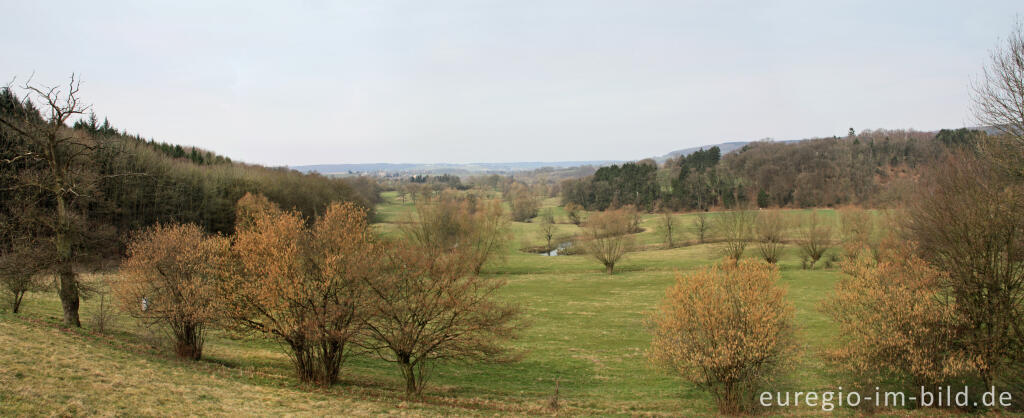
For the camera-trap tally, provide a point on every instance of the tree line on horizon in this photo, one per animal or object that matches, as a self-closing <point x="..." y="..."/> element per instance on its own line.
<point x="872" y="168"/>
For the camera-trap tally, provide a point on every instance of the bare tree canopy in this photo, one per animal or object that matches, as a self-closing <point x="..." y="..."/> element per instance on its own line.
<point x="56" y="169"/>
<point x="998" y="95"/>
<point x="606" y="236"/>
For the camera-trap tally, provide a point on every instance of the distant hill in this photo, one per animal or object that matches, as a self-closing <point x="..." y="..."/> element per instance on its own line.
<point x="486" y="168"/>
<point x="442" y="168"/>
<point x="725" y="147"/>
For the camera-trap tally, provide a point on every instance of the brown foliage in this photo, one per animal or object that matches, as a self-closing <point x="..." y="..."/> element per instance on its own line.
<point x="301" y="285"/>
<point x="168" y="281"/>
<point x="606" y="236"/>
<point x="430" y="306"/>
<point x="728" y="329"/>
<point x="894" y="321"/>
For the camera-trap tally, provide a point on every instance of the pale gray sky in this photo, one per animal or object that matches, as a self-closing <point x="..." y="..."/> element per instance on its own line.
<point x="519" y="80"/>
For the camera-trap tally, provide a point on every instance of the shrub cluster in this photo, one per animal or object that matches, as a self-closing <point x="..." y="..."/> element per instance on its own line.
<point x="322" y="288"/>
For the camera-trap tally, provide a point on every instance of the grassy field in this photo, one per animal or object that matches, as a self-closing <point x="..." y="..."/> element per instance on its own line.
<point x="585" y="332"/>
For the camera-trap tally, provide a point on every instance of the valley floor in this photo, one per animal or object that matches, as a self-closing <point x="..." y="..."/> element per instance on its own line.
<point x="585" y="331"/>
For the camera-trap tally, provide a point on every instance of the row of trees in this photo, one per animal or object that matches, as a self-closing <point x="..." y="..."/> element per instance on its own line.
<point x="771" y="230"/>
<point x="327" y="289"/>
<point x="607" y="236"/>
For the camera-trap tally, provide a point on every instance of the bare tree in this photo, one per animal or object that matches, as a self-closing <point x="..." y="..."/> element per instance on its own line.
<point x="857" y="230"/>
<point x="24" y="253"/>
<point x="62" y="174"/>
<point x="523" y="202"/>
<point x="22" y="260"/>
<point x="998" y="95"/>
<point x="606" y="236"/>
<point x="547" y="228"/>
<point x="573" y="211"/>
<point x="668" y="226"/>
<point x="454" y="221"/>
<point x="429" y="307"/>
<point x="814" y="240"/>
<point x="736" y="229"/>
<point x="769" y="228"/>
<point x="703" y="224"/>
<point x="968" y="220"/>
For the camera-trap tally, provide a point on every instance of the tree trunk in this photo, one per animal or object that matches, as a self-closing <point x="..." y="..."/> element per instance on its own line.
<point x="16" y="302"/>
<point x="68" y="290"/>
<point x="729" y="403"/>
<point x="409" y="373"/>
<point x="609" y="268"/>
<point x="330" y="359"/>
<point x="69" y="295"/>
<point x="318" y="363"/>
<point x="190" y="341"/>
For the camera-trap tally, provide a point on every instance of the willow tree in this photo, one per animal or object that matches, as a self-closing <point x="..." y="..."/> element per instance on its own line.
<point x="736" y="229"/>
<point x="478" y="227"/>
<point x="168" y="282"/>
<point x="428" y="307"/>
<point x="300" y="284"/>
<point x="606" y="236"/>
<point x="727" y="329"/>
<point x="53" y="161"/>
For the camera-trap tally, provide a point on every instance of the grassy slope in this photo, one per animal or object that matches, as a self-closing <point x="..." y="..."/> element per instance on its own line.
<point x="586" y="330"/>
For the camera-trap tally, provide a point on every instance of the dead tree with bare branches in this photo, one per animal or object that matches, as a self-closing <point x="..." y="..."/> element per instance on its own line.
<point x="998" y="99"/>
<point x="52" y="164"/>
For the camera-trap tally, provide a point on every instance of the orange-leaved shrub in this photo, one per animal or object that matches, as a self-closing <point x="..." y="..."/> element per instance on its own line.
<point x="894" y="320"/>
<point x="168" y="281"/>
<point x="726" y="328"/>
<point x="302" y="285"/>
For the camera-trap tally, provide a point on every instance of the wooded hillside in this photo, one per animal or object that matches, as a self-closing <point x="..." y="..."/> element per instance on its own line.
<point x="870" y="169"/>
<point x="137" y="182"/>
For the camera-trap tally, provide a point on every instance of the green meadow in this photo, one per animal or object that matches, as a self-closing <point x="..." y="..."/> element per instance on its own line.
<point x="584" y="334"/>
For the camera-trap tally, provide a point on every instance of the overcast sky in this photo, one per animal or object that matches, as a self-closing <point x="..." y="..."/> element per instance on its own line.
<point x="290" y="83"/>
